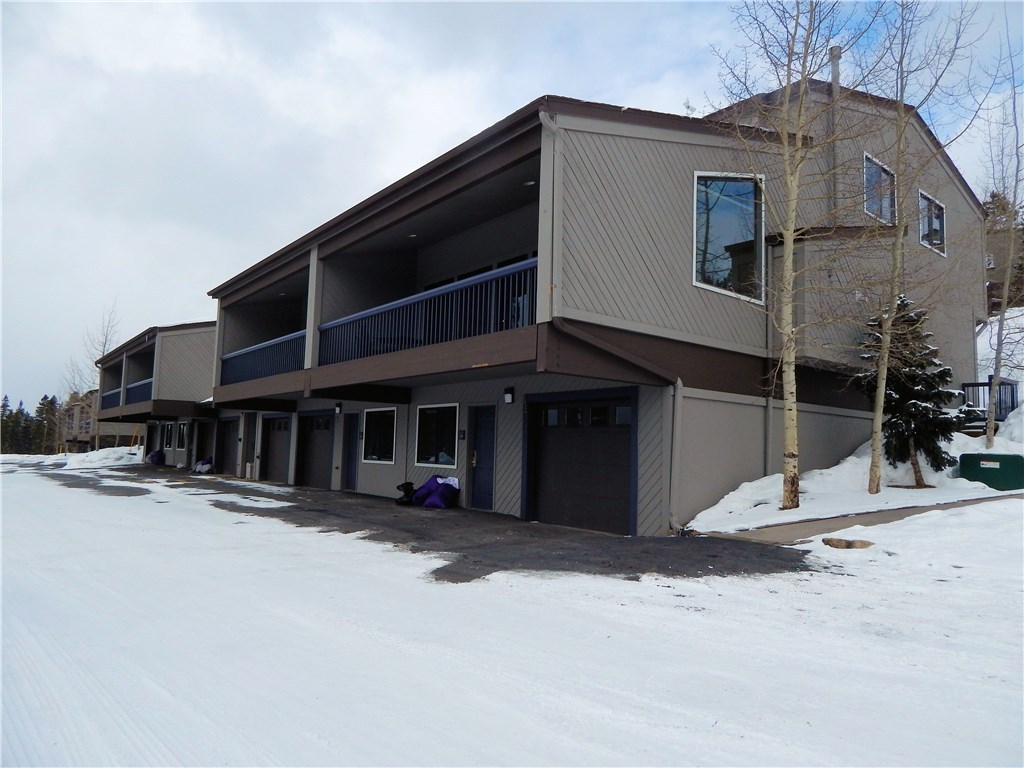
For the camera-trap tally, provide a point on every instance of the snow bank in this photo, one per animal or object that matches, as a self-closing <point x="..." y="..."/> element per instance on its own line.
<point x="105" y="457"/>
<point x="26" y="459"/>
<point x="841" y="490"/>
<point x="1012" y="430"/>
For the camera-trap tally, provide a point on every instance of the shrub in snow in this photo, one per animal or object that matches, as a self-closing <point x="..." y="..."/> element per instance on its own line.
<point x="916" y="392"/>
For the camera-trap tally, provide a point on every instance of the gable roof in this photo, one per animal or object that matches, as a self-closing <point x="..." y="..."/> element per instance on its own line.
<point x="824" y="88"/>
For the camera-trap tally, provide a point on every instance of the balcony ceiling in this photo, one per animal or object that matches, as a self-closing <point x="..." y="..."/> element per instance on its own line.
<point x="292" y="288"/>
<point x="502" y="193"/>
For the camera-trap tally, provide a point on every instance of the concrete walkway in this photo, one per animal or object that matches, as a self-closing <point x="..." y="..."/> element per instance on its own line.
<point x="804" y="530"/>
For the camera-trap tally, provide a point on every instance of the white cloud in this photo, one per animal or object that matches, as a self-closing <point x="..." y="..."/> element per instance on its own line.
<point x="139" y="38"/>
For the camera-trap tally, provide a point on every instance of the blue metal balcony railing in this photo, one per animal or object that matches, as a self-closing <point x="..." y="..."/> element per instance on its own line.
<point x="495" y="301"/>
<point x="281" y="355"/>
<point x="138" y="392"/>
<point x="111" y="399"/>
<point x="977" y="394"/>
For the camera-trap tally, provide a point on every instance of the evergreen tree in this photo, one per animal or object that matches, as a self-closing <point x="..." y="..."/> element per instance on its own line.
<point x="18" y="430"/>
<point x="5" y="425"/>
<point x="45" y="425"/>
<point x="916" y="391"/>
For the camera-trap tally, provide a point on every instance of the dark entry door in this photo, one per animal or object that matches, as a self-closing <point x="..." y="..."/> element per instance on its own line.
<point x="351" y="437"/>
<point x="275" y="448"/>
<point x="316" y="450"/>
<point x="227" y="446"/>
<point x="582" y="464"/>
<point x="481" y="456"/>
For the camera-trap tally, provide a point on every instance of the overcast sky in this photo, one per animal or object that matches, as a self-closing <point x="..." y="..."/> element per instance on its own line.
<point x="151" y="151"/>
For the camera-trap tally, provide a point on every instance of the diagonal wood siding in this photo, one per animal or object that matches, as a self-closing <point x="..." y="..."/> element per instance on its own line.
<point x="627" y="238"/>
<point x="184" y="367"/>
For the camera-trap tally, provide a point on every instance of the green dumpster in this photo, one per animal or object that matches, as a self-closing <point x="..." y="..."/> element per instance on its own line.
<point x="1002" y="471"/>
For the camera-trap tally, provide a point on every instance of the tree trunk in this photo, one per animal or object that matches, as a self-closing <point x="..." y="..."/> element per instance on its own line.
<point x="915" y="464"/>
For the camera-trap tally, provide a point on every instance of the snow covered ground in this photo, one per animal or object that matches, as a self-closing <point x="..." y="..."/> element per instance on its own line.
<point x="839" y="490"/>
<point x="157" y="629"/>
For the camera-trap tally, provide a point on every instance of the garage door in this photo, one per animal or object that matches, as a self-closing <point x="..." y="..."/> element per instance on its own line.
<point x="316" y="451"/>
<point x="227" y="446"/>
<point x="582" y="464"/>
<point x="275" y="449"/>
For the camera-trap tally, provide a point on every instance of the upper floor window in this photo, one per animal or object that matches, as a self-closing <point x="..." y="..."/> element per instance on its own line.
<point x="436" y="435"/>
<point x="879" y="191"/>
<point x="933" y="223"/>
<point x="729" y="234"/>
<point x="379" y="435"/>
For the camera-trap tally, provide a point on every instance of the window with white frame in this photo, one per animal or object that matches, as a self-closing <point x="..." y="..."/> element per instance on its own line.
<point x="436" y="435"/>
<point x="879" y="191"/>
<point x="728" y="234"/>
<point x="168" y="436"/>
<point x="933" y="223"/>
<point x="379" y="435"/>
<point x="182" y="435"/>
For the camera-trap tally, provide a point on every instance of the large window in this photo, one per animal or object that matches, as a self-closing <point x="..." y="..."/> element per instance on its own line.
<point x="379" y="435"/>
<point x="436" y="435"/>
<point x="728" y="234"/>
<point x="933" y="223"/>
<point x="879" y="191"/>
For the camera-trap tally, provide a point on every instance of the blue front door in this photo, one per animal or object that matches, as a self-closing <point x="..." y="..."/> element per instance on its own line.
<point x="481" y="457"/>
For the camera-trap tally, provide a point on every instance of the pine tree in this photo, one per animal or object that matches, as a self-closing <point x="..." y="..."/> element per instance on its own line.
<point x="45" y="425"/>
<point x="916" y="391"/>
<point x="19" y="430"/>
<point x="5" y="426"/>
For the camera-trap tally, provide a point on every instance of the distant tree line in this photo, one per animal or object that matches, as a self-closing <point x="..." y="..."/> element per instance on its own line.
<point x="31" y="433"/>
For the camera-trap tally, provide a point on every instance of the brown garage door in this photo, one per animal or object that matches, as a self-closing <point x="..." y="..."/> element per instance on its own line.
<point x="582" y="464"/>
<point x="275" y="448"/>
<point x="316" y="450"/>
<point x="227" y="446"/>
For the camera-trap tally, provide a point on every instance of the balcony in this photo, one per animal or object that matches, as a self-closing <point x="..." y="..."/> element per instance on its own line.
<point x="111" y="399"/>
<point x="499" y="300"/>
<point x="281" y="355"/>
<point x="139" y="392"/>
<point x="977" y="393"/>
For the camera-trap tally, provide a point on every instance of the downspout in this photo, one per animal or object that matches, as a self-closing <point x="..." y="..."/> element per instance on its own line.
<point x="549" y="261"/>
<point x="676" y="489"/>
<point x="769" y="402"/>
<point x="835" y="53"/>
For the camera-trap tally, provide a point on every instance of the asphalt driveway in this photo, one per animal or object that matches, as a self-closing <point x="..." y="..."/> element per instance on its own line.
<point x="475" y="543"/>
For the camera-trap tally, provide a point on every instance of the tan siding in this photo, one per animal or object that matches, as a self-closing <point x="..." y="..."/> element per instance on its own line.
<point x="714" y="460"/>
<point x="627" y="244"/>
<point x="651" y="506"/>
<point x="184" y="367"/>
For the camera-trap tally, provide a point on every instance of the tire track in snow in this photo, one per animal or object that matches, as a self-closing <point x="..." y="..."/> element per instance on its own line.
<point x="81" y="697"/>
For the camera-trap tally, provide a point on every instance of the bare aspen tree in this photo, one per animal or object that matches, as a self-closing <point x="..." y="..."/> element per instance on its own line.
<point x="81" y="375"/>
<point x="1005" y="166"/>
<point x="788" y="45"/>
<point x="922" y="47"/>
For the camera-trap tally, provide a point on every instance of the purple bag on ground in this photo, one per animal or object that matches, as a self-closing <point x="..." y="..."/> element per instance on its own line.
<point x="445" y="497"/>
<point x="424" y="492"/>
